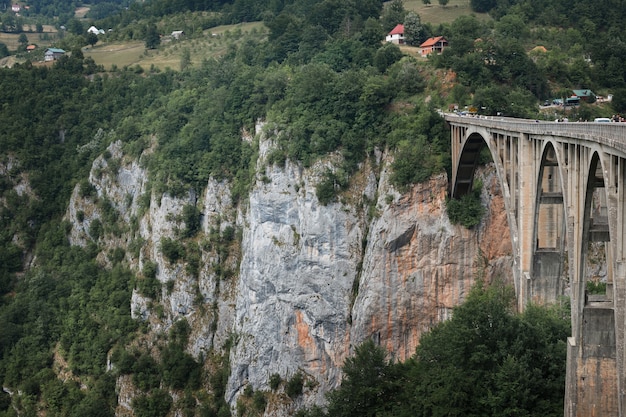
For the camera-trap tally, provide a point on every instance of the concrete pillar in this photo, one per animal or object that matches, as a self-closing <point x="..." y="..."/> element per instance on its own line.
<point x="527" y="173"/>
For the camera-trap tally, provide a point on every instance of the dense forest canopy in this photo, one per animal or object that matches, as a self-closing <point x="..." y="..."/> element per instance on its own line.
<point x="321" y="76"/>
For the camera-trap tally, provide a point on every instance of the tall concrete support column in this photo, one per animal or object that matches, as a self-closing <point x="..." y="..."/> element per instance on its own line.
<point x="575" y="209"/>
<point x="616" y="195"/>
<point x="527" y="173"/>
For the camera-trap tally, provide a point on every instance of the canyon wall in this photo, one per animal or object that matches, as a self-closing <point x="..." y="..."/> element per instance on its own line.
<point x="283" y="285"/>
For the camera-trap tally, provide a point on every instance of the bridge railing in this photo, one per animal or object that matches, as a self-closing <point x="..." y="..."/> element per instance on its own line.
<point x="610" y="134"/>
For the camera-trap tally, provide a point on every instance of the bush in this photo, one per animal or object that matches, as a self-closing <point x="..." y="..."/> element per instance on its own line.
<point x="259" y="401"/>
<point x="146" y="374"/>
<point x="172" y="250"/>
<point x="179" y="368"/>
<point x="595" y="287"/>
<point x="96" y="229"/>
<point x="294" y="386"/>
<point x="156" y="405"/>
<point x="191" y="217"/>
<point x="468" y="211"/>
<point x="275" y="381"/>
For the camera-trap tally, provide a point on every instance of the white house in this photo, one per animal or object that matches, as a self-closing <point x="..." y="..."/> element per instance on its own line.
<point x="95" y="30"/>
<point x="396" y="35"/>
<point x="177" y="34"/>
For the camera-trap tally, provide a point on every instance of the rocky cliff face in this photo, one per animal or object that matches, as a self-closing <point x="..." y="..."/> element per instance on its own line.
<point x="284" y="285"/>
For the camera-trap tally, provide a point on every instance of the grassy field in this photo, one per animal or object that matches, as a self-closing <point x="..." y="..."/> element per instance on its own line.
<point x="436" y="14"/>
<point x="213" y="43"/>
<point x="10" y="39"/>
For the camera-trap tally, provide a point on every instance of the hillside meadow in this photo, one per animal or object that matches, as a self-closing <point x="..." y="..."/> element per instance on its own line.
<point x="215" y="41"/>
<point x="212" y="44"/>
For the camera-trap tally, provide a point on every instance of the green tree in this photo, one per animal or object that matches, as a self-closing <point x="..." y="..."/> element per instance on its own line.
<point x="443" y="3"/>
<point x="4" y="51"/>
<point x="487" y="360"/>
<point x="386" y="55"/>
<point x="153" y="39"/>
<point x="91" y="38"/>
<point x="413" y="30"/>
<point x="482" y="6"/>
<point x="393" y="14"/>
<point x="468" y="210"/>
<point x="370" y="384"/>
<point x="22" y="40"/>
<point x="75" y="27"/>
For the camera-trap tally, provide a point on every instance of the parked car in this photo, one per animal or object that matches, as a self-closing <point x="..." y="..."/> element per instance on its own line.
<point x="602" y="120"/>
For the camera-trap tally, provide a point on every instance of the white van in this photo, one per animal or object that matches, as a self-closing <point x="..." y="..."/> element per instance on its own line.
<point x="602" y="120"/>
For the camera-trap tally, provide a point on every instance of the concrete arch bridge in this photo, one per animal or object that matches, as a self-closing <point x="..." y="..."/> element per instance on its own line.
<point x="564" y="188"/>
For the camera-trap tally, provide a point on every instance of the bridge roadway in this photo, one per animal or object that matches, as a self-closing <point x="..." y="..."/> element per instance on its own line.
<point x="564" y="189"/>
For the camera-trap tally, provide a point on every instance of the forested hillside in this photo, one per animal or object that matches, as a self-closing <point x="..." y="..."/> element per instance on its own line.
<point x="324" y="79"/>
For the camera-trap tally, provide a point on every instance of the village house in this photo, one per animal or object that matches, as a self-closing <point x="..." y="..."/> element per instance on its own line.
<point x="436" y="44"/>
<point x="585" y="95"/>
<point x="396" y="35"/>
<point x="15" y="8"/>
<point x="31" y="48"/>
<point x="95" y="30"/>
<point x="52" y="54"/>
<point x="177" y="34"/>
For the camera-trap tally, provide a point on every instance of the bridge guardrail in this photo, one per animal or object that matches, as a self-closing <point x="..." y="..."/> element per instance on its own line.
<point x="610" y="134"/>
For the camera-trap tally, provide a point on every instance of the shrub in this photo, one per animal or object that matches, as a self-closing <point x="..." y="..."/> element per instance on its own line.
<point x="96" y="229"/>
<point x="468" y="211"/>
<point x="259" y="401"/>
<point x="294" y="386"/>
<point x="595" y="287"/>
<point x="156" y="405"/>
<point x="146" y="374"/>
<point x="275" y="381"/>
<point x="171" y="249"/>
<point x="85" y="189"/>
<point x="191" y="217"/>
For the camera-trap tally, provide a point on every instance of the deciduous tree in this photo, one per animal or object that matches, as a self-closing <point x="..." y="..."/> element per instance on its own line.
<point x="413" y="29"/>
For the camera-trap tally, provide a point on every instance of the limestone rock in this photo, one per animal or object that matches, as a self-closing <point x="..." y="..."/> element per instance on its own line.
<point x="308" y="282"/>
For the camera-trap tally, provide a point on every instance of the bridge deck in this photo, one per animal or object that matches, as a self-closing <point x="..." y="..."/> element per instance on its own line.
<point x="610" y="134"/>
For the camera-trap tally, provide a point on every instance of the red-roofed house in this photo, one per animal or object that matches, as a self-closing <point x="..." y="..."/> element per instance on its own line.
<point x="433" y="45"/>
<point x="396" y="35"/>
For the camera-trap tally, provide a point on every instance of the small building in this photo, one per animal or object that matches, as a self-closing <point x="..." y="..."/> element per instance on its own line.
<point x="15" y="8"/>
<point x="430" y="45"/>
<point x="177" y="34"/>
<point x="585" y="95"/>
<point x="396" y="35"/>
<point x="52" y="54"/>
<point x="31" y="48"/>
<point x="95" y="30"/>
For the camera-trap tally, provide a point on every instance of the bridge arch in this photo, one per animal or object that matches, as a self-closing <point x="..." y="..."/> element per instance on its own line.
<point x="596" y="235"/>
<point x="550" y="232"/>
<point x="467" y="162"/>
